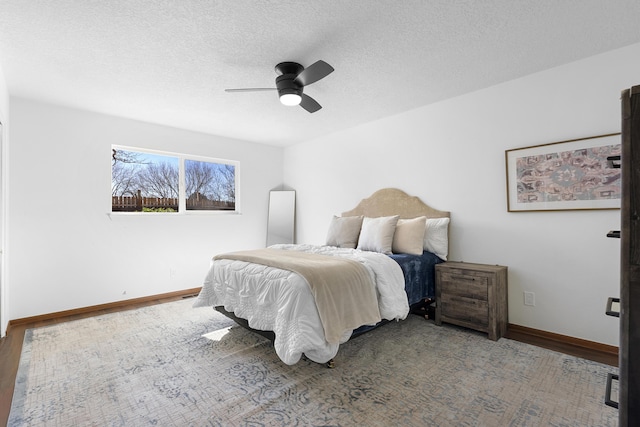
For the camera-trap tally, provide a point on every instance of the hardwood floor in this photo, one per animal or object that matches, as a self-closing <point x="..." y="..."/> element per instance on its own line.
<point x="11" y="345"/>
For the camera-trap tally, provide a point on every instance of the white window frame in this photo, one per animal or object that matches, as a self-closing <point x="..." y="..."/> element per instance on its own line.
<point x="182" y="199"/>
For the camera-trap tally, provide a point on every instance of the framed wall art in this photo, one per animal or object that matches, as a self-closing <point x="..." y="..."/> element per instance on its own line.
<point x="565" y="175"/>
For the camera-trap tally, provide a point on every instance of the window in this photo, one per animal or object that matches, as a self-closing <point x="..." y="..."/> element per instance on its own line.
<point x="145" y="181"/>
<point x="209" y="186"/>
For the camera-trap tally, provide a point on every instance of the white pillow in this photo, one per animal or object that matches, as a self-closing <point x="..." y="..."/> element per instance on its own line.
<point x="344" y="231"/>
<point x="377" y="234"/>
<point x="436" y="237"/>
<point x="409" y="236"/>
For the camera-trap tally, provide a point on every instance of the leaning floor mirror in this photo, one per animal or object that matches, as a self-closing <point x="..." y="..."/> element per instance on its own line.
<point x="282" y="216"/>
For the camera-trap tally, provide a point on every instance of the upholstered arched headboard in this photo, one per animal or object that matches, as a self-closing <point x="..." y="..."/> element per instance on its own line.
<point x="391" y="201"/>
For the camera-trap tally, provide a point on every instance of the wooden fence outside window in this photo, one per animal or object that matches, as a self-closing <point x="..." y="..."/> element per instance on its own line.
<point x="138" y="203"/>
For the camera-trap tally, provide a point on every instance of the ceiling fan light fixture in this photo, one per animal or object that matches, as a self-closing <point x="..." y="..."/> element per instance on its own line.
<point x="291" y="82"/>
<point x="290" y="99"/>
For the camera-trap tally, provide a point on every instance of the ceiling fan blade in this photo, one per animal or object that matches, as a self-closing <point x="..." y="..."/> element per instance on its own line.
<point x="314" y="72"/>
<point x="309" y="104"/>
<point x="253" y="89"/>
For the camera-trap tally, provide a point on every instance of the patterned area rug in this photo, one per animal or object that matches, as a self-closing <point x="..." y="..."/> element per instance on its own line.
<point x="173" y="365"/>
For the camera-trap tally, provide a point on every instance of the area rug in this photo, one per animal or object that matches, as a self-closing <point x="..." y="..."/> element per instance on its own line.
<point x="173" y="365"/>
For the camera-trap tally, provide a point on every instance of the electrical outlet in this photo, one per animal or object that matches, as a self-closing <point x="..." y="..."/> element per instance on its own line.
<point x="529" y="298"/>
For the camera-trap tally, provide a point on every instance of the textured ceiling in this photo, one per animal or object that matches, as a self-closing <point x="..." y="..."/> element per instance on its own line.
<point x="169" y="62"/>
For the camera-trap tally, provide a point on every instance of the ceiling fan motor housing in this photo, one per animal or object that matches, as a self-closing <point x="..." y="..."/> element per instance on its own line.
<point x="286" y="84"/>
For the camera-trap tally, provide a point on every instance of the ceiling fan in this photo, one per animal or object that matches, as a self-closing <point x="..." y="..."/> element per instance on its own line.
<point x="291" y="81"/>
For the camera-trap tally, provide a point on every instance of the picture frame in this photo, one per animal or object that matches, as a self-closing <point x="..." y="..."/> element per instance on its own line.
<point x="566" y="175"/>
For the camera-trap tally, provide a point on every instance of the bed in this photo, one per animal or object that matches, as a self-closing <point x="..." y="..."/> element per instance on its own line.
<point x="376" y="265"/>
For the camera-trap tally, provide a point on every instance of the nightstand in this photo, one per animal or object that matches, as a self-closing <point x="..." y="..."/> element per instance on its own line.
<point x="473" y="296"/>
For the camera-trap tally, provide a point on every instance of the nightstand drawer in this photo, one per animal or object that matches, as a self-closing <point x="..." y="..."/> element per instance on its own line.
<point x="465" y="309"/>
<point x="461" y="284"/>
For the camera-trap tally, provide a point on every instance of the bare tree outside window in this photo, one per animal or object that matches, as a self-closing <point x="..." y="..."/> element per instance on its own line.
<point x="209" y="186"/>
<point x="146" y="182"/>
<point x="143" y="182"/>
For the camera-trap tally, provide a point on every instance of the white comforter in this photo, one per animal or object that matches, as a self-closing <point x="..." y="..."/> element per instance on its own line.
<point x="281" y="301"/>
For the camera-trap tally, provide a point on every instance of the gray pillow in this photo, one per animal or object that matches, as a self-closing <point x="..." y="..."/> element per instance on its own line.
<point x="344" y="231"/>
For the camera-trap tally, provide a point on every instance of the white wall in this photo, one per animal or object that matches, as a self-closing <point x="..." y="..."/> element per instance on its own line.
<point x="451" y="155"/>
<point x="4" y="119"/>
<point x="65" y="251"/>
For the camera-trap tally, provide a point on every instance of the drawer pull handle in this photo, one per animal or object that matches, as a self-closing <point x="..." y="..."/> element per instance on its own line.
<point x="463" y="278"/>
<point x="614" y="162"/>
<point x="607" y="395"/>
<point x="610" y="311"/>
